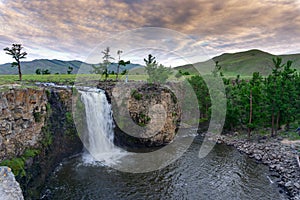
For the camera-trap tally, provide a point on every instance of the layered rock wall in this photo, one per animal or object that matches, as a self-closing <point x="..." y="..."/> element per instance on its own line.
<point x="36" y="133"/>
<point x="22" y="116"/>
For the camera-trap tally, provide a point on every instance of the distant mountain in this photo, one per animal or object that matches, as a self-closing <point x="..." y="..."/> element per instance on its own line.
<point x="243" y="63"/>
<point x="57" y="66"/>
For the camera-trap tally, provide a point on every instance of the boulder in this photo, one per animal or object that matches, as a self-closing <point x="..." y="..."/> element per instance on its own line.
<point x="9" y="187"/>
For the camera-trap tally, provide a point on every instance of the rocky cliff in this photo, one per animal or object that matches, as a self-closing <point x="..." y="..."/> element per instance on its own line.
<point x="146" y="115"/>
<point x="37" y="130"/>
<point x="36" y="133"/>
<point x="22" y="116"/>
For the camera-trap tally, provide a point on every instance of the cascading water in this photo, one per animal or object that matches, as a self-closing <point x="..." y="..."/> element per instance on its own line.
<point x="99" y="136"/>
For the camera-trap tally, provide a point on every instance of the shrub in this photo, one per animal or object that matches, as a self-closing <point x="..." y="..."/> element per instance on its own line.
<point x="138" y="96"/>
<point x="37" y="117"/>
<point x="69" y="118"/>
<point x="18" y="164"/>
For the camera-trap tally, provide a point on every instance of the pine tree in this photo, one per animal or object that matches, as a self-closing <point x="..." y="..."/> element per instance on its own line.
<point x="288" y="95"/>
<point x="273" y="92"/>
<point x="106" y="61"/>
<point x="202" y="93"/>
<point x="157" y="72"/>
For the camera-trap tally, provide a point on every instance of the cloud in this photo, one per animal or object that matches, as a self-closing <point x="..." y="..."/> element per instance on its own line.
<point x="71" y="29"/>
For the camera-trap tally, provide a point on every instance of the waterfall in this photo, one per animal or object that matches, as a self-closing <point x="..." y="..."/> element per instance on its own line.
<point x="99" y="137"/>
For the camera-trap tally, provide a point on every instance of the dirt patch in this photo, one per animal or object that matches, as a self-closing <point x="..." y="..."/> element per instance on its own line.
<point x="289" y="142"/>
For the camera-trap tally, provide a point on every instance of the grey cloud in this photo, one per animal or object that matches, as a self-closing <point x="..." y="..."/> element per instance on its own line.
<point x="77" y="26"/>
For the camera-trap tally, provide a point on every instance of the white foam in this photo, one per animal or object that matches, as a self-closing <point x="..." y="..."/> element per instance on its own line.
<point x="98" y="142"/>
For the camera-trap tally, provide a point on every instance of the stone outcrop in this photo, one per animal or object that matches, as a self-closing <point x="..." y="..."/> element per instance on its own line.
<point x="145" y="114"/>
<point x="9" y="187"/>
<point x="36" y="133"/>
<point x="22" y="114"/>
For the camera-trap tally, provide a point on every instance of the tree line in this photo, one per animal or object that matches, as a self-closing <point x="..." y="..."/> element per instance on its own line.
<point x="259" y="102"/>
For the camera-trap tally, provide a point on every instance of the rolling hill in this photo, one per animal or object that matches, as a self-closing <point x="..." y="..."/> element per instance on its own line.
<point x="57" y="66"/>
<point x="243" y="63"/>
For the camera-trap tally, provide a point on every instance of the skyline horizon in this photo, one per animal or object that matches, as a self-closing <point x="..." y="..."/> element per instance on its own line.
<point x="142" y="63"/>
<point x="72" y="29"/>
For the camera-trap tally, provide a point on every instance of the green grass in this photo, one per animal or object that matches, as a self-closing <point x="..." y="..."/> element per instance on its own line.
<point x="242" y="63"/>
<point x="292" y="135"/>
<point x="18" y="164"/>
<point x="67" y="79"/>
<point x="59" y="78"/>
<point x="258" y="133"/>
<point x="70" y="79"/>
<point x="29" y="78"/>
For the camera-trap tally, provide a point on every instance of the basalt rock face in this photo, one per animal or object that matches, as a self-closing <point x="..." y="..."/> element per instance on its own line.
<point x="146" y="115"/>
<point x="60" y="141"/>
<point x="22" y="114"/>
<point x="40" y="121"/>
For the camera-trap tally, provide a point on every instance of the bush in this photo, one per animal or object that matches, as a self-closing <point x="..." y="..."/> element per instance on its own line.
<point x="138" y="96"/>
<point x="18" y="164"/>
<point x="69" y="118"/>
<point x="48" y="107"/>
<point x="48" y="138"/>
<point x="143" y="119"/>
<point x="37" y="117"/>
<point x="48" y="93"/>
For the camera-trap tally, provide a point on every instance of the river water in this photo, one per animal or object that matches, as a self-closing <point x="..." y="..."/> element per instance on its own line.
<point x="223" y="174"/>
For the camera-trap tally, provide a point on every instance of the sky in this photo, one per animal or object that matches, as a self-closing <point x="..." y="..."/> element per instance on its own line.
<point x="172" y="30"/>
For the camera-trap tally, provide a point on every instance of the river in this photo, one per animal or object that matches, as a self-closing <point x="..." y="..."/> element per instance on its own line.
<point x="223" y="174"/>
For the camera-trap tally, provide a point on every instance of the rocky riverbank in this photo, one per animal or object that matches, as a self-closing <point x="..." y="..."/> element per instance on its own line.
<point x="280" y="157"/>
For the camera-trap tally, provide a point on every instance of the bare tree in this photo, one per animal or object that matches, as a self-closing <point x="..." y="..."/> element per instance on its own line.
<point x="106" y="61"/>
<point x="118" y="68"/>
<point x="16" y="53"/>
<point x="121" y="63"/>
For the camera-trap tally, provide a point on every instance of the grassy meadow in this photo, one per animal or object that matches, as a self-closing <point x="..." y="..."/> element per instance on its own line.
<point x="70" y="79"/>
<point x="66" y="79"/>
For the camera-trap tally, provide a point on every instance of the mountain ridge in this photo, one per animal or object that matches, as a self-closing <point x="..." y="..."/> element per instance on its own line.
<point x="57" y="66"/>
<point x="243" y="63"/>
